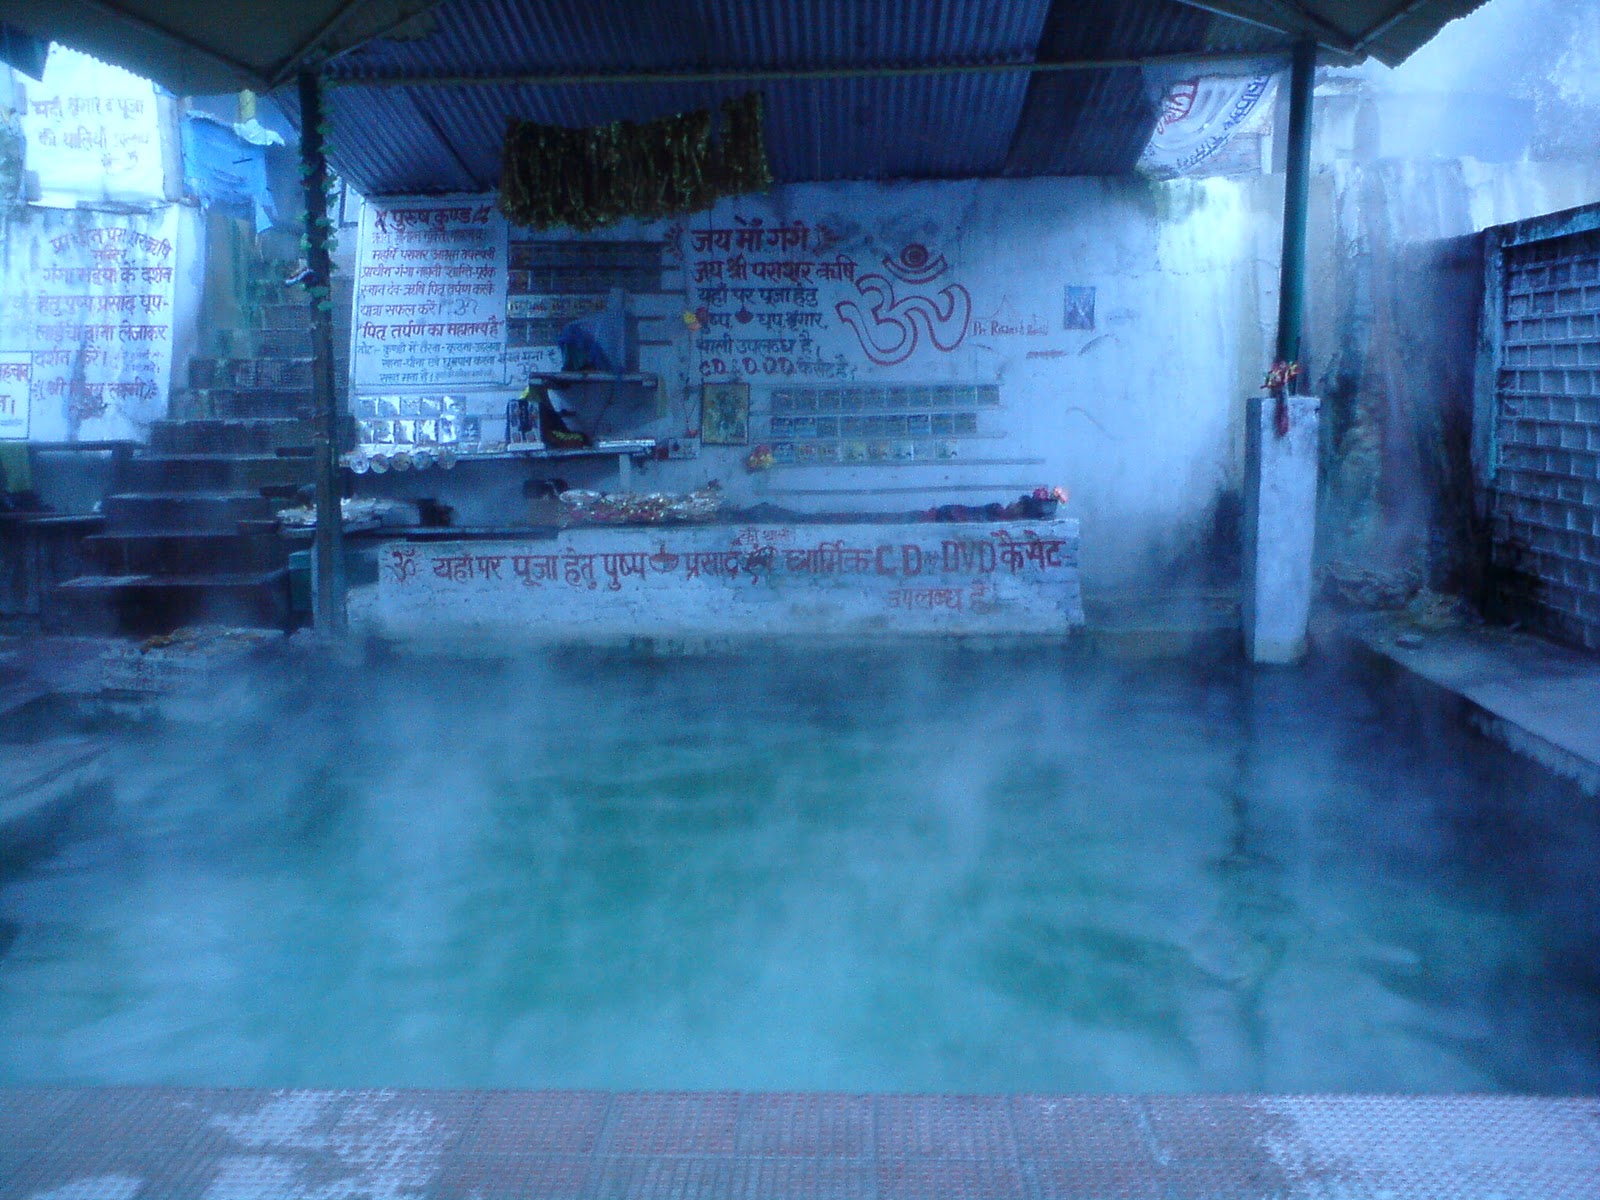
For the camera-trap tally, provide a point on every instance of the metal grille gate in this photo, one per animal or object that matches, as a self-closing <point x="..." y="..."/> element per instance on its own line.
<point x="1545" y="504"/>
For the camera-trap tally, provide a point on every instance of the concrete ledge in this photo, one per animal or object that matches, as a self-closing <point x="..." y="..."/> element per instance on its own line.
<point x="123" y="1143"/>
<point x="1540" y="699"/>
<point x="695" y="581"/>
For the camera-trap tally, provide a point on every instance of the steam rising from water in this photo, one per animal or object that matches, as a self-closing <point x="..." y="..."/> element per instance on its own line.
<point x="898" y="870"/>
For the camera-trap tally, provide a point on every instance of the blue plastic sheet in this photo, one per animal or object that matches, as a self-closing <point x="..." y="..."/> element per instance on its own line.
<point x="219" y="166"/>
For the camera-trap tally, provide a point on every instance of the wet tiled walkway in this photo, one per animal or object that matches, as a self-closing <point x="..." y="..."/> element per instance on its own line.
<point x="122" y="1144"/>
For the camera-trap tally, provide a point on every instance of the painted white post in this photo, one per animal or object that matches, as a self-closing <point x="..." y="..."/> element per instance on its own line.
<point x="1280" y="526"/>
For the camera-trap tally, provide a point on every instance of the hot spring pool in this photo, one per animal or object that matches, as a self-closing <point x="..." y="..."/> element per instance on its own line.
<point x="906" y="870"/>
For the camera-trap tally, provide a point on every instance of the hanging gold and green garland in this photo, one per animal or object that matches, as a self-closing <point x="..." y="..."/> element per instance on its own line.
<point x="551" y="175"/>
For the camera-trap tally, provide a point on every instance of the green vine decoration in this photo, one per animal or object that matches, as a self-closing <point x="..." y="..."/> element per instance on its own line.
<point x="587" y="178"/>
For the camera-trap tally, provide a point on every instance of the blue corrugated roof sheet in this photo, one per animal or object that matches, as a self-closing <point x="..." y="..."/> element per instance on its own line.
<point x="393" y="140"/>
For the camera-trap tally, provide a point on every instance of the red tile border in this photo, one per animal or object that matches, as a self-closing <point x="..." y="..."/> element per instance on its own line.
<point x="1059" y="1180"/>
<point x="804" y="1179"/>
<point x="1465" y="1129"/>
<point x="806" y="1124"/>
<point x="670" y="1123"/>
<point x="1233" y="1128"/>
<point x="123" y="1124"/>
<point x="442" y="1117"/>
<point x="111" y="1169"/>
<point x="31" y="1116"/>
<point x="181" y="1144"/>
<point x="1222" y="1180"/>
<point x="1082" y="1128"/>
<point x="640" y="1178"/>
<point x="466" y="1176"/>
<point x="976" y="1127"/>
<point x="255" y="1117"/>
<point x="538" y="1123"/>
<point x="950" y="1179"/>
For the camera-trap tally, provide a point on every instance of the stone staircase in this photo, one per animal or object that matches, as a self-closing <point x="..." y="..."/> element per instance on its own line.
<point x="191" y="533"/>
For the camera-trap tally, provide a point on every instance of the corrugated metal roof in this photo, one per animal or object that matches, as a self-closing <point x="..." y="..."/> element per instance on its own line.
<point x="380" y="136"/>
<point x="852" y="128"/>
<point x="436" y="137"/>
<point x="942" y="127"/>
<point x="1097" y="124"/>
<point x="197" y="46"/>
<point x="496" y="36"/>
<point x="1388" y="30"/>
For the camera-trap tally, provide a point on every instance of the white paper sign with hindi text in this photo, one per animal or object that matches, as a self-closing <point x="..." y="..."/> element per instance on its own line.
<point x="93" y="300"/>
<point x="430" y="303"/>
<point x="93" y="132"/>
<point x="16" y="400"/>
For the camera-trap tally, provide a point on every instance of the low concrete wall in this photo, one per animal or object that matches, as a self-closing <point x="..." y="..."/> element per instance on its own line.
<point x="605" y="584"/>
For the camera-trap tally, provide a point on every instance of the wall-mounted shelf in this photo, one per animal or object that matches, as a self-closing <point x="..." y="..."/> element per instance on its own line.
<point x="629" y="449"/>
<point x="623" y="451"/>
<point x="571" y="378"/>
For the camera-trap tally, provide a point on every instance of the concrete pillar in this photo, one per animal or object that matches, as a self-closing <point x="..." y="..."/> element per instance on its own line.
<point x="1280" y="525"/>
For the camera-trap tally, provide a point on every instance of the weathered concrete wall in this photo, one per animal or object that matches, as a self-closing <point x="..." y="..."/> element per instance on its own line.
<point x="1394" y="331"/>
<point x="1495" y="121"/>
<point x="1396" y="286"/>
<point x="1015" y="578"/>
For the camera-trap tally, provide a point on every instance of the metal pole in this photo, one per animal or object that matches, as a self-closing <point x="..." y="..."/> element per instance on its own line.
<point x="791" y="74"/>
<point x="1296" y="198"/>
<point x="328" y="605"/>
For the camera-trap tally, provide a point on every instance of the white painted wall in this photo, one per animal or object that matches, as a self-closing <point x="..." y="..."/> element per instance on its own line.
<point x="1140" y="417"/>
<point x="1135" y="417"/>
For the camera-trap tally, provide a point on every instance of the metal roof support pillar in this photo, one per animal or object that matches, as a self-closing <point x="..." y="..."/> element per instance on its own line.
<point x="1296" y="201"/>
<point x="1281" y="431"/>
<point x="328" y="603"/>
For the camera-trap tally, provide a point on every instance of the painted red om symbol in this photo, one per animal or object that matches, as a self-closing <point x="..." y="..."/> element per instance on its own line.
<point x="890" y="329"/>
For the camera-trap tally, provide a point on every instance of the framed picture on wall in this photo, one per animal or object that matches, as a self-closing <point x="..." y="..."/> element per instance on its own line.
<point x="725" y="414"/>
<point x="1079" y="308"/>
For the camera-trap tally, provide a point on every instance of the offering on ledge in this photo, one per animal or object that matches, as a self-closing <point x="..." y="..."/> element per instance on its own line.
<point x="633" y="508"/>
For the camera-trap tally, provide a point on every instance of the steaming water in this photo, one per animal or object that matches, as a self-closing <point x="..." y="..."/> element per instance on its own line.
<point x="918" y="871"/>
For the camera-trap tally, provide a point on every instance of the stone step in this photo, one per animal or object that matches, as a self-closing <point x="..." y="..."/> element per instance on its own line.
<point x="294" y="373"/>
<point x="207" y="404"/>
<point x="184" y="553"/>
<point x="211" y="579"/>
<point x="146" y="604"/>
<point x="273" y="291"/>
<point x="284" y="316"/>
<point x="163" y="512"/>
<point x="263" y="435"/>
<point x="213" y="472"/>
<point x="262" y="343"/>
